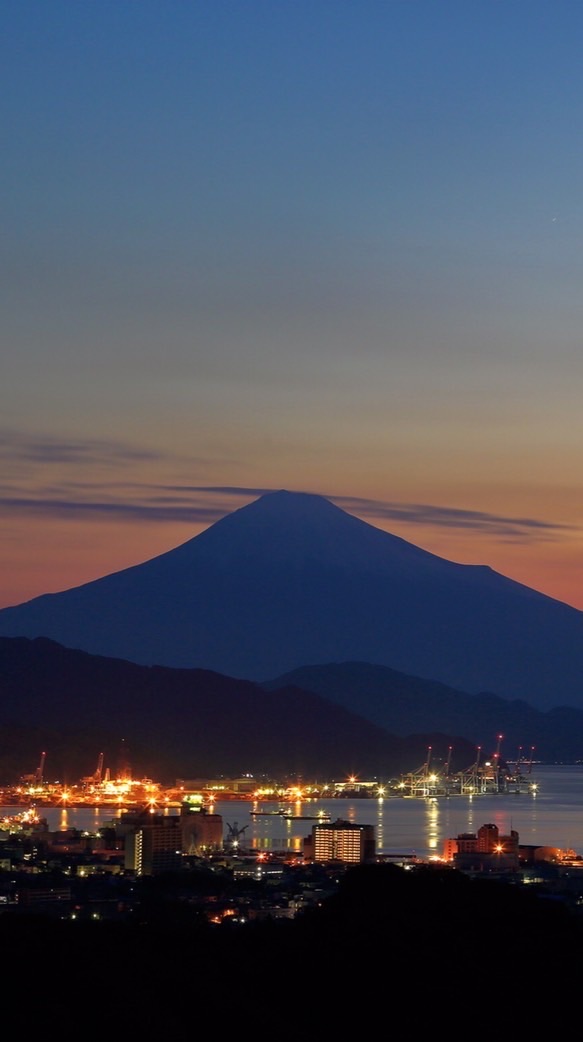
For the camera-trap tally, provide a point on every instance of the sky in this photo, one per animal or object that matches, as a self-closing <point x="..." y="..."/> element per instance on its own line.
<point x="326" y="246"/>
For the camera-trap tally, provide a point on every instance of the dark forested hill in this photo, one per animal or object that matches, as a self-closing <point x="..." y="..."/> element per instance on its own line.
<point x="183" y="723"/>
<point x="404" y="704"/>
<point x="412" y="947"/>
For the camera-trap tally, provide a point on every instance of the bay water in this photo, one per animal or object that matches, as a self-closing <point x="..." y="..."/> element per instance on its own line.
<point x="550" y="814"/>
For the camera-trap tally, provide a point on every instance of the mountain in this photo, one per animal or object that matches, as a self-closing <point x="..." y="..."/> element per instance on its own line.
<point x="180" y="723"/>
<point x="292" y="579"/>
<point x="404" y="704"/>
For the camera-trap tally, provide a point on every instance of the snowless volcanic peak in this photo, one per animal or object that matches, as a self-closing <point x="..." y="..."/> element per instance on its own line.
<point x="304" y="526"/>
<point x="292" y="580"/>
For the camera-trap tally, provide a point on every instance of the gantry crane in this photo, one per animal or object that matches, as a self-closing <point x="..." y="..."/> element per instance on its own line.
<point x="469" y="777"/>
<point x="447" y="767"/>
<point x="36" y="778"/>
<point x="97" y="777"/>
<point x="38" y="774"/>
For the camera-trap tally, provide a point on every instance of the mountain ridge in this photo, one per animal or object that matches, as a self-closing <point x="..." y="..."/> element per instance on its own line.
<point x="182" y="723"/>
<point x="318" y="723"/>
<point x="291" y="578"/>
<point x="404" y="704"/>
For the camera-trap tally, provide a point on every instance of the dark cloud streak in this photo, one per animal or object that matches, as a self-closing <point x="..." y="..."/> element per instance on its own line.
<point x="73" y="510"/>
<point x="447" y="517"/>
<point x="53" y="450"/>
<point x="198" y="504"/>
<point x="174" y="504"/>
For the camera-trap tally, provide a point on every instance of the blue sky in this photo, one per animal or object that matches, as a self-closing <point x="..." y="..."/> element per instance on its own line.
<point x="331" y="247"/>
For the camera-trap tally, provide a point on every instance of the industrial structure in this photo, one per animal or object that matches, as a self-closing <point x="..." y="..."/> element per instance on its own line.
<point x="482" y="777"/>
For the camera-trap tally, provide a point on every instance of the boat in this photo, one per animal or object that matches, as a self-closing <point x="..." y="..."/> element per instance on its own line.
<point x="268" y="813"/>
<point x="307" y="817"/>
<point x="289" y="815"/>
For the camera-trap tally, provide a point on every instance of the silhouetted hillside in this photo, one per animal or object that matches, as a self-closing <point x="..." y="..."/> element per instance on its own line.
<point x="404" y="704"/>
<point x="291" y="579"/>
<point x="175" y="723"/>
<point x="414" y="947"/>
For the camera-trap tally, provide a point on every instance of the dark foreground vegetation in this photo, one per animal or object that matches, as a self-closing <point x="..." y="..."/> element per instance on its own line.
<point x="390" y="947"/>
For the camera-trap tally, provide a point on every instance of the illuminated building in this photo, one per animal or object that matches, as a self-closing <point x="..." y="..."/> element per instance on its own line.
<point x="153" y="845"/>
<point x="156" y="842"/>
<point x="201" y="831"/>
<point x="219" y="788"/>
<point x="341" y="841"/>
<point x="484" y="851"/>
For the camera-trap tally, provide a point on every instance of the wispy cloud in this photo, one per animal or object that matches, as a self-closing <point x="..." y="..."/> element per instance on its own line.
<point x="450" y="517"/>
<point x="76" y="488"/>
<point x="47" y="450"/>
<point x="74" y="510"/>
<point x="207" y="504"/>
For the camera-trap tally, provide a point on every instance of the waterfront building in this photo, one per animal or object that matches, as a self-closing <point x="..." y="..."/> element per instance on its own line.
<point x="157" y="842"/>
<point x="154" y="845"/>
<point x="201" y="831"/>
<point x="218" y="788"/>
<point x="341" y="841"/>
<point x="486" y="850"/>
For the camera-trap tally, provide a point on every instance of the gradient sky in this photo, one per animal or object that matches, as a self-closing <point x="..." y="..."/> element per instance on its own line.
<point x="332" y="247"/>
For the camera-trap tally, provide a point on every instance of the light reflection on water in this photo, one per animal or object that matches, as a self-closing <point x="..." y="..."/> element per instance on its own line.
<point x="433" y="825"/>
<point x="553" y="816"/>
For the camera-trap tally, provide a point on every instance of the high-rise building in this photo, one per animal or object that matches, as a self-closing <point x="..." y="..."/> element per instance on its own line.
<point x="157" y="842"/>
<point x="201" y="831"/>
<point x="154" y="845"/>
<point x="341" y="841"/>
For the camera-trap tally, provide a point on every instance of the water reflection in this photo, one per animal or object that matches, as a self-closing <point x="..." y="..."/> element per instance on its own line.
<point x="380" y="831"/>
<point x="421" y="826"/>
<point x="432" y="826"/>
<point x="549" y="816"/>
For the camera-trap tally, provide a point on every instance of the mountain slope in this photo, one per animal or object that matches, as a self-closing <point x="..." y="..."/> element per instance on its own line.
<point x="175" y="723"/>
<point x="404" y="704"/>
<point x="291" y="579"/>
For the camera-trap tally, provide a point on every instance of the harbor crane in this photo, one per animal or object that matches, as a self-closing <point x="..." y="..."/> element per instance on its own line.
<point x="234" y="833"/>
<point x="38" y="774"/>
<point x="481" y="777"/>
<point x="469" y="777"/>
<point x="36" y="778"/>
<point x="447" y="767"/>
<point x="531" y="759"/>
<point x="97" y="777"/>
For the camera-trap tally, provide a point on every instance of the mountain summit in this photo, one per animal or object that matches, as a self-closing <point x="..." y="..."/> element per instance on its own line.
<point x="292" y="580"/>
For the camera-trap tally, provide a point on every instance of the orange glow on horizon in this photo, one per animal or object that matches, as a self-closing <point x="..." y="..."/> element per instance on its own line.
<point x="57" y="556"/>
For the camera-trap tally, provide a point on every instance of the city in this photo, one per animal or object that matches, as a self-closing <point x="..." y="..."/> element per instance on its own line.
<point x="290" y="498"/>
<point x="164" y="905"/>
<point x="158" y="831"/>
<point x="120" y="788"/>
